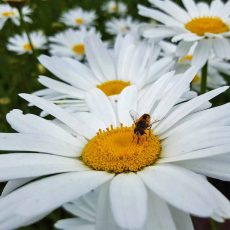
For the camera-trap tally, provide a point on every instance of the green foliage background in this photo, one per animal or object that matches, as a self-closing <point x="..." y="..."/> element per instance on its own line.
<point x="19" y="73"/>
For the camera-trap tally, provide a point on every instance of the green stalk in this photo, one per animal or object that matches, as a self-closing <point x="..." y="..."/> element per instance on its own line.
<point x="204" y="75"/>
<point x="23" y="25"/>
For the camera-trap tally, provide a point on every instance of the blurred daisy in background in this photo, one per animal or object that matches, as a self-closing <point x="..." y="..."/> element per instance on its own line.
<point x="8" y="12"/>
<point x="77" y="17"/>
<point x="122" y="26"/>
<point x="130" y="62"/>
<point x="70" y="43"/>
<point x="216" y="66"/>
<point x="112" y="7"/>
<point x="56" y="163"/>
<point x="205" y="26"/>
<point x="20" y="44"/>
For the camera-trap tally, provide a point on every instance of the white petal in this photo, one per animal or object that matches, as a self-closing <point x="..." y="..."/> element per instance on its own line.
<point x="27" y="203"/>
<point x="128" y="201"/>
<point x="183" y="48"/>
<point x="202" y="52"/>
<point x="74" y="223"/>
<point x="37" y="143"/>
<point x="127" y="101"/>
<point x="221" y="47"/>
<point x="99" y="59"/>
<point x="59" y="113"/>
<point x="100" y="105"/>
<point x="159" y="216"/>
<point x="22" y="165"/>
<point x="190" y="5"/>
<point x="188" y="191"/>
<point x="182" y="220"/>
<point x="30" y="123"/>
<point x="216" y="167"/>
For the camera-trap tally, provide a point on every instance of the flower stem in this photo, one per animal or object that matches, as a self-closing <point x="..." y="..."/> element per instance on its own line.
<point x="23" y="25"/>
<point x="204" y="73"/>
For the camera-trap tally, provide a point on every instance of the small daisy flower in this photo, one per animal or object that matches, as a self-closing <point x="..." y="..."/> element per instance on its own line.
<point x="110" y="70"/>
<point x="20" y="44"/>
<point x="77" y="17"/>
<point x="205" y="26"/>
<point x="8" y="12"/>
<point x="122" y="26"/>
<point x="70" y="43"/>
<point x="56" y="163"/>
<point x="112" y="7"/>
<point x="215" y="68"/>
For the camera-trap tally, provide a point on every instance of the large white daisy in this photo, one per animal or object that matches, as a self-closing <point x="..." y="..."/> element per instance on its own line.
<point x="130" y="62"/>
<point x="19" y="43"/>
<point x="99" y="150"/>
<point x="78" y="17"/>
<point x="8" y="12"/>
<point x="206" y="26"/>
<point x="70" y="43"/>
<point x="216" y="66"/>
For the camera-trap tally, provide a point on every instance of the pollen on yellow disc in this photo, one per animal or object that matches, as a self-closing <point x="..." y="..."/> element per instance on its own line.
<point x="27" y="47"/>
<point x="202" y="25"/>
<point x="117" y="150"/>
<point x="8" y="14"/>
<point x="79" y="49"/>
<point x="79" y="21"/>
<point x="114" y="87"/>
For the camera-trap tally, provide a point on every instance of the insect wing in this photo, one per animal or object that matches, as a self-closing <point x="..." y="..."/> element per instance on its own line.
<point x="134" y="115"/>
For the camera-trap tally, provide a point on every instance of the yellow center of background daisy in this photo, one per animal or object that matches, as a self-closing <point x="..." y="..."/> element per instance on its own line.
<point x="79" y="49"/>
<point x="114" y="87"/>
<point x="27" y="47"/>
<point x="116" y="150"/>
<point x="202" y="25"/>
<point x="79" y="21"/>
<point x="8" y="14"/>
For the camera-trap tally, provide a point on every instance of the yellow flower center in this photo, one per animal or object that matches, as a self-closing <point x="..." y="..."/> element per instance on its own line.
<point x="27" y="47"/>
<point x="8" y="14"/>
<point x="196" y="79"/>
<point x="117" y="150"/>
<point x="114" y="8"/>
<point x="79" y="21"/>
<point x="187" y="58"/>
<point x="114" y="87"/>
<point x="208" y="24"/>
<point x="79" y="49"/>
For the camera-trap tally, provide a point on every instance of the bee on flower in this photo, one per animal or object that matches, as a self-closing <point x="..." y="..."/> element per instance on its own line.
<point x="11" y="13"/>
<point x="113" y="7"/>
<point x="206" y="26"/>
<point x="78" y="17"/>
<point x="20" y="44"/>
<point x="70" y="43"/>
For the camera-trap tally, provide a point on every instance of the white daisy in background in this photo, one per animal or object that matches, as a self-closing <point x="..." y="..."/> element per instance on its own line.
<point x="200" y="24"/>
<point x="20" y="43"/>
<point x="77" y="17"/>
<point x="8" y="12"/>
<point x="112" y="7"/>
<point x="70" y="43"/>
<point x="100" y="151"/>
<point x="109" y="70"/>
<point x="216" y="66"/>
<point x="122" y="26"/>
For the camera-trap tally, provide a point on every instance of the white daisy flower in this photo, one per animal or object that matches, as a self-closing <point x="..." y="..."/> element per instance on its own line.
<point x="100" y="150"/>
<point x="109" y="70"/>
<point x="77" y="17"/>
<point x="200" y="24"/>
<point x="216" y="66"/>
<point x="114" y="7"/>
<point x="122" y="26"/>
<point x="8" y="12"/>
<point x="70" y="43"/>
<point x="20" y="43"/>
